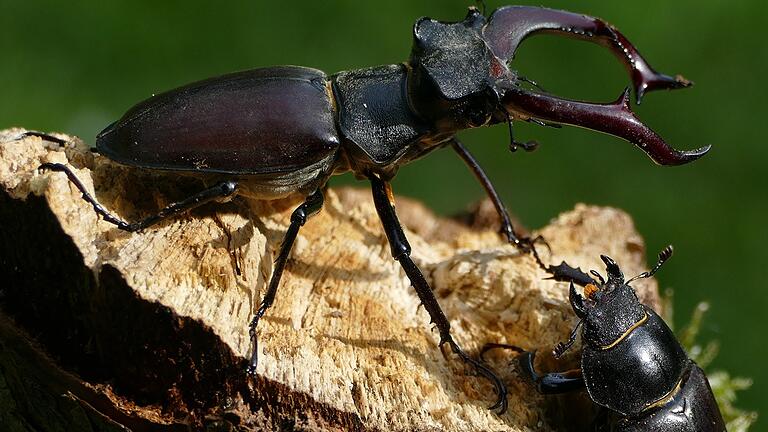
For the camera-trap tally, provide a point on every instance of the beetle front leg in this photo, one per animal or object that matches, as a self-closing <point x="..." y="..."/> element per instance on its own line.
<point x="551" y="383"/>
<point x="384" y="201"/>
<point x="477" y="170"/>
<point x="524" y="243"/>
<point x="219" y="191"/>
<point x="310" y="207"/>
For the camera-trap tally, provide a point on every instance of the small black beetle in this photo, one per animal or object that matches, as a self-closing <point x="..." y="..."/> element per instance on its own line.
<point x="267" y="133"/>
<point x="631" y="363"/>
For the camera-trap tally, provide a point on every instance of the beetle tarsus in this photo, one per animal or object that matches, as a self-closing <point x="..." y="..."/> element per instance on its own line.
<point x="97" y="207"/>
<point x="502" y="403"/>
<point x="217" y="192"/>
<point x="42" y="135"/>
<point x="562" y="347"/>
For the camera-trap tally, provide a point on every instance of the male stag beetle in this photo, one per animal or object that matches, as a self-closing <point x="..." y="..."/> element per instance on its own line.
<point x="631" y="363"/>
<point x="267" y="133"/>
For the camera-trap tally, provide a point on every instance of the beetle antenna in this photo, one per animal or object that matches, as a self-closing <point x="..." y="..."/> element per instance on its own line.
<point x="543" y="123"/>
<point x="482" y="5"/>
<point x="531" y="82"/>
<point x="528" y="146"/>
<point x="562" y="347"/>
<point x="664" y="255"/>
<point x="598" y="276"/>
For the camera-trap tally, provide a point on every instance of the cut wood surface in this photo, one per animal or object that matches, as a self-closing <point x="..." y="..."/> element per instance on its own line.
<point x="148" y="331"/>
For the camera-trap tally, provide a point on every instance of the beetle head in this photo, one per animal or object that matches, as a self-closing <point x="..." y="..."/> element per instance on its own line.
<point x="610" y="308"/>
<point x="460" y="77"/>
<point x="449" y="81"/>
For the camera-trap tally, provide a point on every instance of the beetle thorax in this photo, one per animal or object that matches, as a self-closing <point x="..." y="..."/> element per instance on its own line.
<point x="611" y="313"/>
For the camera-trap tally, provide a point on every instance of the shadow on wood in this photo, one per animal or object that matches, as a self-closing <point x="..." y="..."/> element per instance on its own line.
<point x="149" y="330"/>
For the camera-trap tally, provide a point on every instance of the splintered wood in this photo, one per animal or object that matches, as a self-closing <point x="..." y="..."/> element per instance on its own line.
<point x="156" y="322"/>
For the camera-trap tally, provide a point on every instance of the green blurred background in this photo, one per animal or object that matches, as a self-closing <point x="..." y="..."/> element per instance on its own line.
<point x="76" y="66"/>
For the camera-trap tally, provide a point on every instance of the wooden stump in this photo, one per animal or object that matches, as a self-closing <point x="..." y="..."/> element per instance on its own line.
<point x="106" y="330"/>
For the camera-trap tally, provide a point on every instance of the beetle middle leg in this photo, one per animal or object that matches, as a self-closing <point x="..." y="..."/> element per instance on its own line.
<point x="550" y="383"/>
<point x="506" y="223"/>
<point x="401" y="250"/>
<point x="310" y="207"/>
<point x="218" y="191"/>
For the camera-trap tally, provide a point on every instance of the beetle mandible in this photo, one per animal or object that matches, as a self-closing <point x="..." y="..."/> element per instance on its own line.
<point x="632" y="365"/>
<point x="267" y="133"/>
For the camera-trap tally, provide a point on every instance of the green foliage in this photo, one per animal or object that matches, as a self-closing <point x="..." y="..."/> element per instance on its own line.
<point x="723" y="384"/>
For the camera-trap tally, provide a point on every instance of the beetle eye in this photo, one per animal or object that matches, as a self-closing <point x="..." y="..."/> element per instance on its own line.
<point x="478" y="118"/>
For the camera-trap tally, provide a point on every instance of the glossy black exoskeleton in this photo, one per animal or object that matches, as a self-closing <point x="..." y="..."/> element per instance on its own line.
<point x="267" y="133"/>
<point x="632" y="365"/>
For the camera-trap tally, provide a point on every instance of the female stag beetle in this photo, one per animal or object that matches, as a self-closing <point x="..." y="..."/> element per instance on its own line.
<point x="631" y="363"/>
<point x="267" y="133"/>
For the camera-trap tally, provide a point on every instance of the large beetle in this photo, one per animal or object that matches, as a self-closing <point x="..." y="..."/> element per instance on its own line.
<point x="631" y="363"/>
<point x="268" y="133"/>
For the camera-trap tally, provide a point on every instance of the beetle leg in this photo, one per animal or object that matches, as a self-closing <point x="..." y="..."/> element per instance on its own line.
<point x="525" y="243"/>
<point x="509" y="26"/>
<point x="614" y="118"/>
<point x="477" y="170"/>
<point x="562" y="347"/>
<point x="401" y="249"/>
<point x="310" y="207"/>
<point x="493" y="345"/>
<point x="551" y="383"/>
<point x="216" y="192"/>
<point x="41" y="135"/>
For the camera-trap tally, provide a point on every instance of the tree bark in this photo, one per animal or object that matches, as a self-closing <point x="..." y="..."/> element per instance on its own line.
<point x="106" y="330"/>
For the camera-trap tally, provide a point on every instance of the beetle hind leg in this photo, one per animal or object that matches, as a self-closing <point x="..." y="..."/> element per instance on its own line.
<point x="310" y="207"/>
<point x="216" y="192"/>
<point x="401" y="249"/>
<point x="42" y="135"/>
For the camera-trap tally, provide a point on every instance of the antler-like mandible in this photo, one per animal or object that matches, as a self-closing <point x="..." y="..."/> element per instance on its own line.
<point x="508" y="26"/>
<point x="614" y="118"/>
